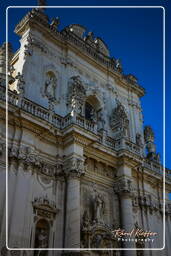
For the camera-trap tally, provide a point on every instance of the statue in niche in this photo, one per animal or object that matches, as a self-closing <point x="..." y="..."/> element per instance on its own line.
<point x="93" y="115"/>
<point x="50" y="86"/>
<point x="76" y="95"/>
<point x="43" y="239"/>
<point x="99" y="208"/>
<point x="101" y="120"/>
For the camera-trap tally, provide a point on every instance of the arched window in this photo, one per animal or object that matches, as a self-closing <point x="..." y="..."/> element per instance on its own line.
<point x="42" y="235"/>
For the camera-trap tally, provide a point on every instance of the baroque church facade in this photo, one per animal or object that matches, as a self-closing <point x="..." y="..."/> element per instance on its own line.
<point x="80" y="164"/>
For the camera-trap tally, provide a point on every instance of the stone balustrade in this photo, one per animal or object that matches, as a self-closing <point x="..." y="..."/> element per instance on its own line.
<point x="63" y="122"/>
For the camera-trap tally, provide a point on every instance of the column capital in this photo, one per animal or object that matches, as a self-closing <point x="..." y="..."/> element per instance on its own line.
<point x="74" y="167"/>
<point x="123" y="186"/>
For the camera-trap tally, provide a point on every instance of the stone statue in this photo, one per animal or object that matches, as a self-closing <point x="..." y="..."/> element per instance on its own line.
<point x="101" y="120"/>
<point x="93" y="115"/>
<point x="20" y="83"/>
<point x="99" y="208"/>
<point x="86" y="221"/>
<point x="148" y="134"/>
<point x="139" y="140"/>
<point x="76" y="95"/>
<point x="42" y="239"/>
<point x="54" y="24"/>
<point x="50" y="87"/>
<point x="118" y="65"/>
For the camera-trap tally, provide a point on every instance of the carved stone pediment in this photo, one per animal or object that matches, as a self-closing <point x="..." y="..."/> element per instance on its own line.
<point x="44" y="207"/>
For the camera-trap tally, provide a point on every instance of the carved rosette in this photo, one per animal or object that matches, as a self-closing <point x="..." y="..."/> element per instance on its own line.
<point x="76" y="95"/>
<point x="74" y="167"/>
<point x="123" y="186"/>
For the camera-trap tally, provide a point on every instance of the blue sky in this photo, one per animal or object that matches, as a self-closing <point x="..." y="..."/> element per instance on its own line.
<point x="133" y="35"/>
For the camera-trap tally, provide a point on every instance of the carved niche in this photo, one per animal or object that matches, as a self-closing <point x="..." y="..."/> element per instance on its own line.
<point x="119" y="121"/>
<point x="76" y="95"/>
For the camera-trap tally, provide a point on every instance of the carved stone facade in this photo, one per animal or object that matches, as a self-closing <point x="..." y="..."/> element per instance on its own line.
<point x="78" y="170"/>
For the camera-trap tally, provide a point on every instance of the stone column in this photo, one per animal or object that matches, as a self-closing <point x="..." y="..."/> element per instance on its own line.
<point x="123" y="188"/>
<point x="74" y="169"/>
